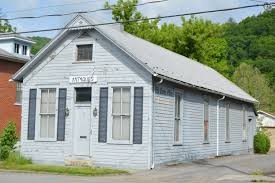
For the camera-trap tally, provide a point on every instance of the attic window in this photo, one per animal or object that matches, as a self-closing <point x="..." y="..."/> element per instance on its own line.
<point x="16" y="48"/>
<point x="84" y="52"/>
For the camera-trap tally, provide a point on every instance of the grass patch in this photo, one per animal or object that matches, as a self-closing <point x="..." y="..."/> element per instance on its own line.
<point x="258" y="173"/>
<point x="17" y="162"/>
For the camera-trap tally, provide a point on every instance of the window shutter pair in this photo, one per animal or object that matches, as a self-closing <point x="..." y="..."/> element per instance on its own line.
<point x="61" y="115"/>
<point x="138" y="115"/>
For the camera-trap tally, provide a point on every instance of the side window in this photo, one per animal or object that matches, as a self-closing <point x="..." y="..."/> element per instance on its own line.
<point x="18" y="93"/>
<point x="244" y="124"/>
<point x="227" y="122"/>
<point x="177" y="122"/>
<point x="85" y="52"/>
<point x="206" y="122"/>
<point x="121" y="113"/>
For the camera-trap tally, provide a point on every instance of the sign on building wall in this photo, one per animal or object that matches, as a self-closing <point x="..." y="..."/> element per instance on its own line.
<point x="82" y="79"/>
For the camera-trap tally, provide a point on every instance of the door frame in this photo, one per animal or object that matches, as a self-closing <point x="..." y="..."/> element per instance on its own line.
<point x="73" y="109"/>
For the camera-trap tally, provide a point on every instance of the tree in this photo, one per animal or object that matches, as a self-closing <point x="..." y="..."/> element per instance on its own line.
<point x="126" y="11"/>
<point x="253" y="82"/>
<point x="40" y="42"/>
<point x="5" y="26"/>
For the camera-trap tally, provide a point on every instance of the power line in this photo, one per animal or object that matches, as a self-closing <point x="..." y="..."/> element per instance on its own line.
<point x="138" y="20"/>
<point x="76" y="12"/>
<point x="44" y="7"/>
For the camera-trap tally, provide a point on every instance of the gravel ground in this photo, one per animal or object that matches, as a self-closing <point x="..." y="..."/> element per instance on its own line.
<point x="230" y="169"/>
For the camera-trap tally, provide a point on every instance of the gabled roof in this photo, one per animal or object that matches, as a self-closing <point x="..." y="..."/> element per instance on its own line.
<point x="267" y="114"/>
<point x="16" y="37"/>
<point x="13" y="57"/>
<point x="158" y="61"/>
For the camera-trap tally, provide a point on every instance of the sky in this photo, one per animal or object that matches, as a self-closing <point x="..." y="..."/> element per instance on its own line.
<point x="16" y="8"/>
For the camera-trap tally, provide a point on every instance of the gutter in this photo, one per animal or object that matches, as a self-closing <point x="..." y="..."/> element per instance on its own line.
<point x="218" y="123"/>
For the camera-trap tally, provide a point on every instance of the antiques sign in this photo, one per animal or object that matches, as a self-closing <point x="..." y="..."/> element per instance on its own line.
<point x="82" y="79"/>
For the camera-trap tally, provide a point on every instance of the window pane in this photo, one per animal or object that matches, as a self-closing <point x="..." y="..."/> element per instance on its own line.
<point x="43" y="126"/>
<point x="227" y="123"/>
<point x="44" y="101"/>
<point x="125" y="128"/>
<point x="52" y="99"/>
<point x="116" y="100"/>
<point x="51" y="126"/>
<point x="116" y="128"/>
<point x="83" y="94"/>
<point x="126" y="100"/>
<point x="176" y="130"/>
<point x="206" y="120"/>
<point x="177" y="106"/>
<point x="84" y="52"/>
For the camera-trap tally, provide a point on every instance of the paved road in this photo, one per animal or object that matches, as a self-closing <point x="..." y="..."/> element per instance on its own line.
<point x="226" y="170"/>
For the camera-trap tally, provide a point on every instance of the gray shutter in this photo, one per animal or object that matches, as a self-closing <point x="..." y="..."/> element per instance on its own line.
<point x="61" y="114"/>
<point x="103" y="113"/>
<point x="32" y="114"/>
<point x="138" y="115"/>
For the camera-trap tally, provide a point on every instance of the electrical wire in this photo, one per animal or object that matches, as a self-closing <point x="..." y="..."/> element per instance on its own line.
<point x="136" y="20"/>
<point x="75" y="12"/>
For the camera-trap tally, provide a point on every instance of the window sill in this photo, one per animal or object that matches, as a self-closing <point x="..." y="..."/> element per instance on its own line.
<point x="227" y="142"/>
<point x="120" y="143"/>
<point x="177" y="145"/>
<point x="45" y="140"/>
<point x="83" y="61"/>
<point x="205" y="143"/>
<point x="18" y="104"/>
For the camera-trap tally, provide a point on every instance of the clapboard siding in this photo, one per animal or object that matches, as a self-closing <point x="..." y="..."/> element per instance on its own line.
<point x="110" y="65"/>
<point x="192" y="126"/>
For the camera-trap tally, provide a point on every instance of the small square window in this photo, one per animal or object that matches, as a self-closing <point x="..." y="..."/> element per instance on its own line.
<point x="83" y="95"/>
<point x="84" y="52"/>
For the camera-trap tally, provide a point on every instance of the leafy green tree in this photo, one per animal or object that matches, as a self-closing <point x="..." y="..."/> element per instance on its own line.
<point x="5" y="26"/>
<point x="40" y="42"/>
<point x="253" y="82"/>
<point x="126" y="11"/>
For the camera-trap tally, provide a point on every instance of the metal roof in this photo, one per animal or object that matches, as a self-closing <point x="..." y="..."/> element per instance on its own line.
<point x="4" y="36"/>
<point x="13" y="57"/>
<point x="164" y="63"/>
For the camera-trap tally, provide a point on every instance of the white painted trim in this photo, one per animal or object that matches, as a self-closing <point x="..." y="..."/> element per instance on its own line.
<point x="37" y="120"/>
<point x="110" y="140"/>
<point x="181" y="93"/>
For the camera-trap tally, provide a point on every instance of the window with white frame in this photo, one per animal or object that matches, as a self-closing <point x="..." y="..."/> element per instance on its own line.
<point x="206" y="122"/>
<point x="121" y="113"/>
<point x="244" y="125"/>
<point x="16" y="48"/>
<point x="24" y="49"/>
<point x="47" y="113"/>
<point x="177" y="122"/>
<point x="227" y="123"/>
<point x="18" y="93"/>
<point x="84" y="52"/>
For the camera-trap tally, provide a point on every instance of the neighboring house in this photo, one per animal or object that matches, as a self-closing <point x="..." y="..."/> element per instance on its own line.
<point x="100" y="95"/>
<point x="14" y="53"/>
<point x="267" y="121"/>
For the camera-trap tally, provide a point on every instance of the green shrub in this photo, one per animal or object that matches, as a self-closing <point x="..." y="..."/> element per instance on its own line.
<point x="8" y="137"/>
<point x="15" y="158"/>
<point x="261" y="143"/>
<point x="4" y="152"/>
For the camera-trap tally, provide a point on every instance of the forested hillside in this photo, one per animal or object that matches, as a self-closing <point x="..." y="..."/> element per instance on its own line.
<point x="243" y="52"/>
<point x="40" y="42"/>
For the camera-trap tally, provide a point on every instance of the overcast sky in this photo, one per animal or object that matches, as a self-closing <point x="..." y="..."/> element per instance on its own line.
<point x="14" y="8"/>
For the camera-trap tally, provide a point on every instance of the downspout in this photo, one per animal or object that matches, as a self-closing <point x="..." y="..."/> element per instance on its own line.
<point x="153" y="119"/>
<point x="218" y="123"/>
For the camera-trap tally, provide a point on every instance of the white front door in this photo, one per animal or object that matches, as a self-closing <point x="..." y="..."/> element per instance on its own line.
<point x="82" y="121"/>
